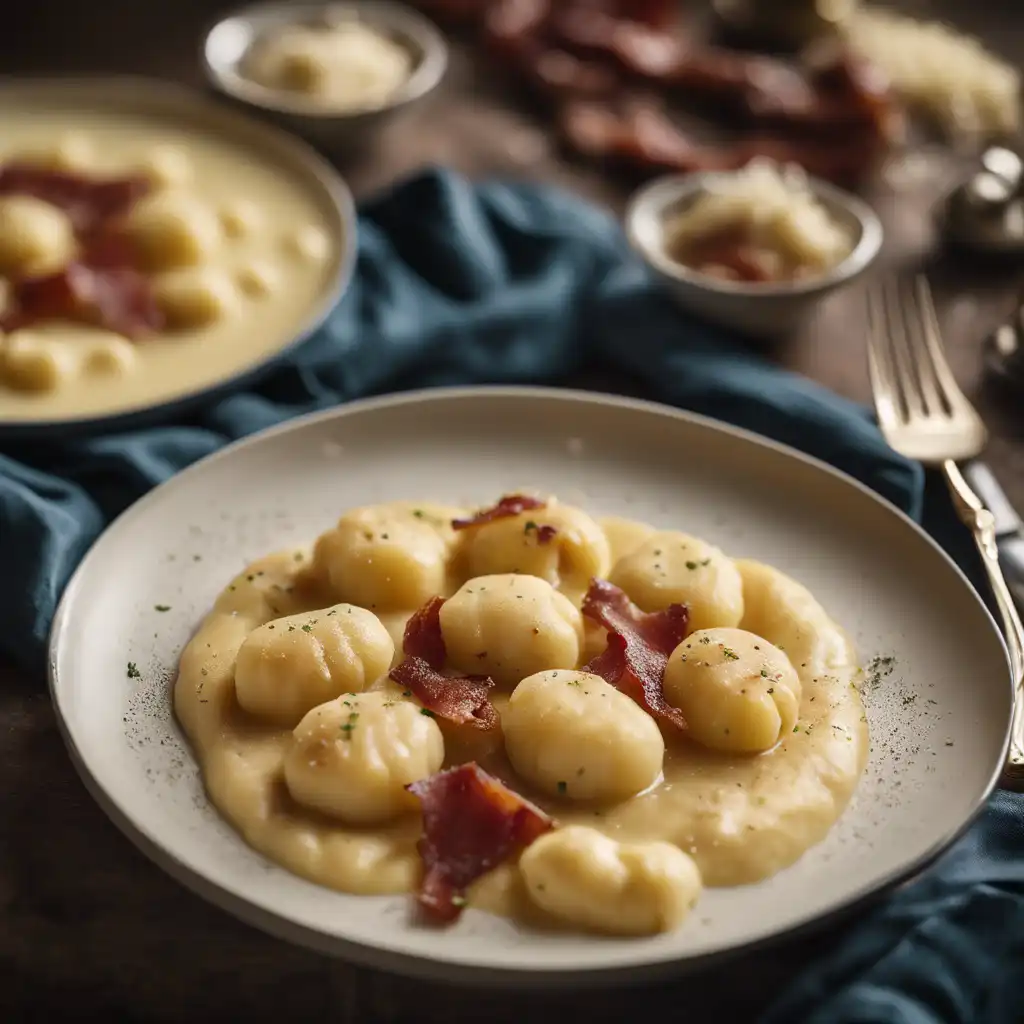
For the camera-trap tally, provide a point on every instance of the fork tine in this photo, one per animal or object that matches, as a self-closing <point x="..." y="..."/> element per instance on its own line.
<point x="880" y="368"/>
<point x="933" y="345"/>
<point x="918" y="333"/>
<point x="901" y="342"/>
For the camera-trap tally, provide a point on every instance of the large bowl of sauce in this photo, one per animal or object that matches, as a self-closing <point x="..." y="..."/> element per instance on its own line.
<point x="234" y="245"/>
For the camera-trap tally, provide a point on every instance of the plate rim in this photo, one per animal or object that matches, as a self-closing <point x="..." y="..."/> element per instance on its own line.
<point x="424" y="966"/>
<point x="335" y="189"/>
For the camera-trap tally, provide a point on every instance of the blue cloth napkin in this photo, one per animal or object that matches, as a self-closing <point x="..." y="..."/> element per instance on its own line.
<point x="514" y="283"/>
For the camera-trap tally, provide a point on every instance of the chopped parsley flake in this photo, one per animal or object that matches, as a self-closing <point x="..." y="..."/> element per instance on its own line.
<point x="562" y="787"/>
<point x="162" y="607"/>
<point x="307" y="628"/>
<point x="133" y="671"/>
<point x="427" y="712"/>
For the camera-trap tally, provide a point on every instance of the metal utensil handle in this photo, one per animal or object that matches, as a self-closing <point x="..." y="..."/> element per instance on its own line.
<point x="981" y="523"/>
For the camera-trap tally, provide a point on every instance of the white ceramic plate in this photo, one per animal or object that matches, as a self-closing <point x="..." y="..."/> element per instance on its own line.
<point x="177" y="110"/>
<point x="939" y="720"/>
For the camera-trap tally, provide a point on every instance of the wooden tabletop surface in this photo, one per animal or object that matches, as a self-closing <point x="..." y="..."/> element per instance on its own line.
<point x="87" y="924"/>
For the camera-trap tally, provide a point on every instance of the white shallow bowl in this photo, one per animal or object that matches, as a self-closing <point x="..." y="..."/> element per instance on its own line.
<point x="763" y="310"/>
<point x="939" y="722"/>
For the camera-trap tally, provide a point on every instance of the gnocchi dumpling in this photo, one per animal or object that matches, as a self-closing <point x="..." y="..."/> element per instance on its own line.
<point x="389" y="557"/>
<point x="35" y="237"/>
<point x="290" y="665"/>
<point x="352" y="757"/>
<point x="510" y="627"/>
<point x="624" y="535"/>
<point x="168" y="166"/>
<point x="110" y="354"/>
<point x="73" y="151"/>
<point x="788" y="614"/>
<point x="309" y="243"/>
<point x="568" y="560"/>
<point x="32" y="364"/>
<point x="241" y="218"/>
<point x="258" y="278"/>
<point x="573" y="735"/>
<point x="675" y="568"/>
<point x="196" y="298"/>
<point x="739" y="693"/>
<point x="586" y="878"/>
<point x="174" y="229"/>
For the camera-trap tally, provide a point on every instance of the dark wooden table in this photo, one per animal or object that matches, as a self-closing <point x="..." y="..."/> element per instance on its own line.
<point x="86" y="923"/>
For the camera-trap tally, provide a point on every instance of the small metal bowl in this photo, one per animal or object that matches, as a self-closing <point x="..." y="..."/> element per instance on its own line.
<point x="764" y="310"/>
<point x="336" y="131"/>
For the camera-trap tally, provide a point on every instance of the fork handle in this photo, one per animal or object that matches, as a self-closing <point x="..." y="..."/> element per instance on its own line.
<point x="980" y="521"/>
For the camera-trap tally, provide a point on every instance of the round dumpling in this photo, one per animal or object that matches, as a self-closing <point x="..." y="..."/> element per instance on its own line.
<point x="241" y="218"/>
<point x="309" y="243"/>
<point x="35" y="237"/>
<point x="573" y="735"/>
<point x="73" y="152"/>
<point x="168" y="166"/>
<point x="739" y="693"/>
<point x="389" y="557"/>
<point x="173" y="229"/>
<point x="196" y="298"/>
<point x="290" y="665"/>
<point x="674" y="568"/>
<point x="33" y="364"/>
<point x="258" y="278"/>
<point x="510" y="627"/>
<point x="352" y="757"/>
<point x="590" y="880"/>
<point x="109" y="354"/>
<point x="568" y="559"/>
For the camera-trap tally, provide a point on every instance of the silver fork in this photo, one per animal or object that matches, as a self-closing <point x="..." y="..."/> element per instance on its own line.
<point x="924" y="415"/>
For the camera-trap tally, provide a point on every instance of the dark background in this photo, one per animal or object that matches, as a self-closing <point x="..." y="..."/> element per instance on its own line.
<point x="87" y="925"/>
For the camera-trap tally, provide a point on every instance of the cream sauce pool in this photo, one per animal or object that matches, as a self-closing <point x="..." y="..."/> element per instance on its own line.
<point x="268" y="257"/>
<point x="741" y="818"/>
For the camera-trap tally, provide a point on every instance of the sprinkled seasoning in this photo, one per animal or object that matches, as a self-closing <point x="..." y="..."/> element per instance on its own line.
<point x="133" y="671"/>
<point x="162" y="607"/>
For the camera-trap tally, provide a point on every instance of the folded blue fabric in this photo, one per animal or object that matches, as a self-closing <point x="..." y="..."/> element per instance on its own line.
<point x="513" y="283"/>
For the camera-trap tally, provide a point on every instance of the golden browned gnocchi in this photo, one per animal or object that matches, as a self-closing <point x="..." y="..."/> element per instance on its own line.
<point x="35" y="237"/>
<point x="573" y="735"/>
<point x="388" y="557"/>
<point x="592" y="881"/>
<point x="576" y="553"/>
<point x="510" y="627"/>
<point x="738" y="692"/>
<point x="675" y="568"/>
<point x="290" y="665"/>
<point x="352" y="757"/>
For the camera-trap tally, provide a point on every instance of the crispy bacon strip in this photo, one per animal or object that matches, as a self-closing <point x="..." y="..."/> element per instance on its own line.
<point x="461" y="700"/>
<point x="510" y="505"/>
<point x="115" y="297"/>
<point x="546" y="533"/>
<point x="423" y="638"/>
<point x="88" y="202"/>
<point x="471" y="824"/>
<point x="639" y="644"/>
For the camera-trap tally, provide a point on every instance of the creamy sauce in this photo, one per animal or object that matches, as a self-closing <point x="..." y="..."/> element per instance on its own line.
<point x="741" y="818"/>
<point x="343" y="66"/>
<point x="263" y="263"/>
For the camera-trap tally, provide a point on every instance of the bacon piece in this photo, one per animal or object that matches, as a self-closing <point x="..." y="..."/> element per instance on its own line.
<point x="639" y="644"/>
<point x="461" y="700"/>
<point x="546" y="533"/>
<point x="471" y="824"/>
<point x="510" y="505"/>
<point x="423" y="638"/>
<point x="117" y="298"/>
<point x="88" y="202"/>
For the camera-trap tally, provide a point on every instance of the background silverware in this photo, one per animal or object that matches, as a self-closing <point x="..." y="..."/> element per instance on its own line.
<point x="925" y="416"/>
